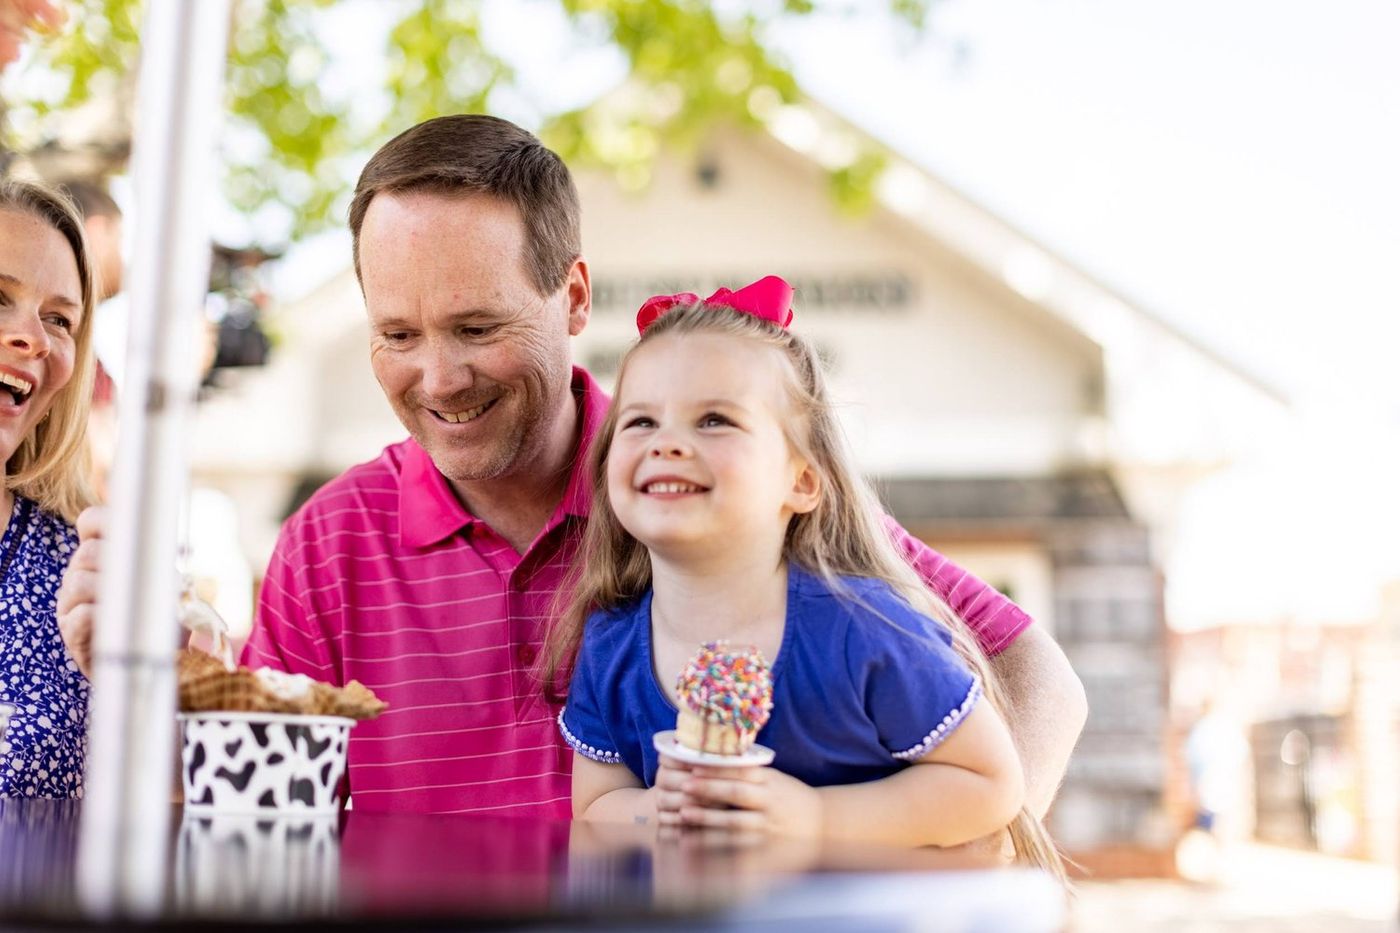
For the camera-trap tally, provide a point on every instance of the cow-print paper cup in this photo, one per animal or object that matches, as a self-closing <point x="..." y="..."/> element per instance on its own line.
<point x="263" y="763"/>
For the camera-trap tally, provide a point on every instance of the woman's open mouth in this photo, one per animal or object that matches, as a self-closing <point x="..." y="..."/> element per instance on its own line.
<point x="16" y="391"/>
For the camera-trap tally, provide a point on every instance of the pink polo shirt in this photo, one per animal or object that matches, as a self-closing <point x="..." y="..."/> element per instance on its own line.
<point x="383" y="577"/>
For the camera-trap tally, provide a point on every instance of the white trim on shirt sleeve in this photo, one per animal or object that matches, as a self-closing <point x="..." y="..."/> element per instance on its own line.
<point x="930" y="741"/>
<point x="600" y="755"/>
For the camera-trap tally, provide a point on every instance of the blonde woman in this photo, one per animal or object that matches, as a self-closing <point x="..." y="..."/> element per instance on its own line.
<point x="46" y="373"/>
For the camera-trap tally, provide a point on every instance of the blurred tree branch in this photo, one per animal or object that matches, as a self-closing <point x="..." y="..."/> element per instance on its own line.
<point x="290" y="144"/>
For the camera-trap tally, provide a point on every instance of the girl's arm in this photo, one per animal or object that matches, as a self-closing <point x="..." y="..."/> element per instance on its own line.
<point x="612" y="793"/>
<point x="966" y="787"/>
<point x="609" y="793"/>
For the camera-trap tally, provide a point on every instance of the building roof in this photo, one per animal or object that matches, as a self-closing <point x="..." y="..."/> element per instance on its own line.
<point x="1021" y="502"/>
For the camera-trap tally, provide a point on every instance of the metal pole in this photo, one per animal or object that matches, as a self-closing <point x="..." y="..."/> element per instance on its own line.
<point x="124" y="842"/>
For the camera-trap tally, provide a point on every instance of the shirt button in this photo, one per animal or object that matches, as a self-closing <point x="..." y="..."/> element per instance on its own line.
<point x="525" y="654"/>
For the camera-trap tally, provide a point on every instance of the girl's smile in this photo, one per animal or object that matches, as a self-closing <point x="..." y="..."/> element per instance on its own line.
<point x="671" y="487"/>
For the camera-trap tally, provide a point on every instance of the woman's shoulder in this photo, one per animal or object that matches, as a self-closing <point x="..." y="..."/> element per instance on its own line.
<point x="51" y="533"/>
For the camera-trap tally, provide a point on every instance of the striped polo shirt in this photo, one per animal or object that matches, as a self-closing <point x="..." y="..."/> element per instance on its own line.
<point x="385" y="578"/>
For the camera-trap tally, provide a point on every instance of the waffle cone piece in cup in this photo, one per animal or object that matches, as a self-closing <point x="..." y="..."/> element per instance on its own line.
<point x="726" y="697"/>
<point x="206" y="686"/>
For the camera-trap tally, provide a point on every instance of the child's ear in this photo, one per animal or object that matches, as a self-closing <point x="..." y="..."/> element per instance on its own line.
<point x="806" y="490"/>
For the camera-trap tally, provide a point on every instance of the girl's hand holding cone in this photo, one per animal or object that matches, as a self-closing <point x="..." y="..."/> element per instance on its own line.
<point x="748" y="799"/>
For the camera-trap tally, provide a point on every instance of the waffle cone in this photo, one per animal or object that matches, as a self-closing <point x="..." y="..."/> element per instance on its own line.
<point x="354" y="700"/>
<point x="205" y="686"/>
<point x="229" y="692"/>
<point x="190" y="663"/>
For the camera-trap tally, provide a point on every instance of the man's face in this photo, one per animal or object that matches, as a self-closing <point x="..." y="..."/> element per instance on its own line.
<point x="474" y="361"/>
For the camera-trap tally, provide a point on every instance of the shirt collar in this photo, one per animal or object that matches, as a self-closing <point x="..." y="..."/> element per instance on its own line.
<point x="429" y="511"/>
<point x="578" y="497"/>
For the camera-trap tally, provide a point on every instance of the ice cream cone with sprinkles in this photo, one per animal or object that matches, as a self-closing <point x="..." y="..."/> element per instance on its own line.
<point x="725" y="696"/>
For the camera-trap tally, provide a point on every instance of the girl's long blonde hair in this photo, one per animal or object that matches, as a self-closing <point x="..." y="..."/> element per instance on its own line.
<point x="50" y="466"/>
<point x="843" y="536"/>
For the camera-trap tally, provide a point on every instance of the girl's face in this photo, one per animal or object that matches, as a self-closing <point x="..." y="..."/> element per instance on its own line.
<point x="699" y="463"/>
<point x="40" y="310"/>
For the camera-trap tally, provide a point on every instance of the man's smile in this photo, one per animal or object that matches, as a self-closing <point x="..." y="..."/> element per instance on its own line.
<point x="461" y="417"/>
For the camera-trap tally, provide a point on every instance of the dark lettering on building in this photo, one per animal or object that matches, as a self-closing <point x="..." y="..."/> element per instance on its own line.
<point x="875" y="292"/>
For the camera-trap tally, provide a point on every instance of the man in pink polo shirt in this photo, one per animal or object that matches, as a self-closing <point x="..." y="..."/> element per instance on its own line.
<point x="428" y="574"/>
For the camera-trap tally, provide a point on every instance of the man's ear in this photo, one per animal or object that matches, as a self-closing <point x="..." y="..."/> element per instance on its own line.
<point x="806" y="490"/>
<point x="580" y="293"/>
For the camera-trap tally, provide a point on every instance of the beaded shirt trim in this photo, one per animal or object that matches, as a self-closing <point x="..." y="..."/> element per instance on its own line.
<point x="588" y="751"/>
<point x="944" y="728"/>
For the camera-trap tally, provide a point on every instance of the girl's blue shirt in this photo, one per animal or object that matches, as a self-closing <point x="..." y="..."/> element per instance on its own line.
<point x="861" y="686"/>
<point x="48" y="731"/>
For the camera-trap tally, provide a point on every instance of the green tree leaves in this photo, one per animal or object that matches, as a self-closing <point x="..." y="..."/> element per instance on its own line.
<point x="292" y="144"/>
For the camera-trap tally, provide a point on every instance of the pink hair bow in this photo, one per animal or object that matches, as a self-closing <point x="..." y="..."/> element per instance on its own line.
<point x="770" y="298"/>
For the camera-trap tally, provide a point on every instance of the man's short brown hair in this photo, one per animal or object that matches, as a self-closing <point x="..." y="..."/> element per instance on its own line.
<point x="471" y="153"/>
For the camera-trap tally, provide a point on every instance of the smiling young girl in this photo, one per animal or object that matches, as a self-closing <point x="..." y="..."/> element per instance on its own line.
<point x="726" y="507"/>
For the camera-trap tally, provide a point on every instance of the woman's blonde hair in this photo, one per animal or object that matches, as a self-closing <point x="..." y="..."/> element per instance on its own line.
<point x="843" y="536"/>
<point x="50" y="466"/>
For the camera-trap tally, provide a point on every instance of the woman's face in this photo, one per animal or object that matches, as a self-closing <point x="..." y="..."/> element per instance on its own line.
<point x="40" y="310"/>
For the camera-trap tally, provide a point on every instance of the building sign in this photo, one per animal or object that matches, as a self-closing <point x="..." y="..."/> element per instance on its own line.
<point x="878" y="292"/>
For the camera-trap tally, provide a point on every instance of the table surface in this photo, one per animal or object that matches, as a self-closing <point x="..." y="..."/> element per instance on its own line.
<point x="365" y="868"/>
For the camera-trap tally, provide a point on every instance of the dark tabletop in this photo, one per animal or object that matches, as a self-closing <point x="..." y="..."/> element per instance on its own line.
<point x="376" y="869"/>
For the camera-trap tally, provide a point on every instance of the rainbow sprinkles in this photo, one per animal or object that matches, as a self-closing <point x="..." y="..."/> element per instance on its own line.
<point x="726" y="697"/>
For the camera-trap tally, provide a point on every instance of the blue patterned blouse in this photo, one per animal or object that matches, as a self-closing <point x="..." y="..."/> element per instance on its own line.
<point x="48" y="731"/>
